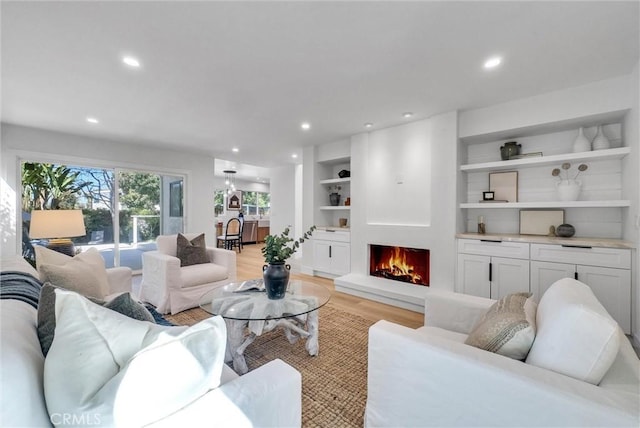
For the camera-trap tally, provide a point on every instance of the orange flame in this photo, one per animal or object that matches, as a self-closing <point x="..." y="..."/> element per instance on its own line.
<point x="397" y="265"/>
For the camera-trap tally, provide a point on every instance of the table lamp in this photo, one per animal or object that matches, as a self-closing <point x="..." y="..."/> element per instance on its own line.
<point x="57" y="226"/>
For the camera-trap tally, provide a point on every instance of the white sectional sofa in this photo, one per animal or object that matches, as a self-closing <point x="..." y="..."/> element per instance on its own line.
<point x="429" y="377"/>
<point x="267" y="396"/>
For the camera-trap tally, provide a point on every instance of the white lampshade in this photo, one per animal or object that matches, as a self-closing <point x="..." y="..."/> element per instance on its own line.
<point x="56" y="224"/>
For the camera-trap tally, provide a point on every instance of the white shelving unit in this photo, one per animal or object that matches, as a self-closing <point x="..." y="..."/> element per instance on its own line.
<point x="335" y="180"/>
<point x="549" y="204"/>
<point x="600" y="207"/>
<point x="334" y="208"/>
<point x="617" y="153"/>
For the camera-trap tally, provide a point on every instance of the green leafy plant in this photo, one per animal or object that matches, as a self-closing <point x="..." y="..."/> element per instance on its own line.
<point x="278" y="248"/>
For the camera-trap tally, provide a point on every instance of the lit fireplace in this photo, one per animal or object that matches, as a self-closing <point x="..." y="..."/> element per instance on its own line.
<point x="400" y="264"/>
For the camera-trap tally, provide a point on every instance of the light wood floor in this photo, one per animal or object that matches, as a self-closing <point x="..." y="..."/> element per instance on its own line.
<point x="250" y="263"/>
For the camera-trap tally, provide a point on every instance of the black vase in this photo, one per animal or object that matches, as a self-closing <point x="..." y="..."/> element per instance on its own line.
<point x="565" y="231"/>
<point x="509" y="149"/>
<point x="276" y="279"/>
<point x="334" y="199"/>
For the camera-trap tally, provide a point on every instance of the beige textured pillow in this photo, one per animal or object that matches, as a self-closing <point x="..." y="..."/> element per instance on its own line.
<point x="84" y="273"/>
<point x="508" y="328"/>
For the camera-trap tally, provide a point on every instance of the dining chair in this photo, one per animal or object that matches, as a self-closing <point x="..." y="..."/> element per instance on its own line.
<point x="232" y="235"/>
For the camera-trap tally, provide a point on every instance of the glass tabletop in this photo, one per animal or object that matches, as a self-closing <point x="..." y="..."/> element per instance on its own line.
<point x="233" y="303"/>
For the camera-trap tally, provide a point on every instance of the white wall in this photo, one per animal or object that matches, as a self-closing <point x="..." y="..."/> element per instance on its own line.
<point x="564" y="105"/>
<point x="428" y="189"/>
<point x="283" y="190"/>
<point x="33" y="144"/>
<point x="631" y="178"/>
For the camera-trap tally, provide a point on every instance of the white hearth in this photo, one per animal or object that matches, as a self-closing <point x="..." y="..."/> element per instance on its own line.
<point x="407" y="296"/>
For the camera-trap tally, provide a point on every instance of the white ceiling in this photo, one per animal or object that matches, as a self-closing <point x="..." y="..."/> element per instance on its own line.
<point x="216" y="75"/>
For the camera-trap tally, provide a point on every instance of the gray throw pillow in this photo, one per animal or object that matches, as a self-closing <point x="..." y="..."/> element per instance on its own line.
<point x="123" y="304"/>
<point x="192" y="252"/>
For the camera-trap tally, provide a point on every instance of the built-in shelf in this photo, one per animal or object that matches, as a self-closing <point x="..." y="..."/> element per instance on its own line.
<point x="617" y="153"/>
<point x="548" y="204"/>
<point x="334" y="208"/>
<point x="336" y="180"/>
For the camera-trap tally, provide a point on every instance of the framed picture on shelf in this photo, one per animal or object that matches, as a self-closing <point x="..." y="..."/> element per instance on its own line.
<point x="488" y="196"/>
<point x="175" y="199"/>
<point x="504" y="185"/>
<point x="234" y="201"/>
<point x="540" y="222"/>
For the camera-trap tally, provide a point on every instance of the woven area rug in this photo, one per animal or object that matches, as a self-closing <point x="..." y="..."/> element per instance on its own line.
<point x="334" y="383"/>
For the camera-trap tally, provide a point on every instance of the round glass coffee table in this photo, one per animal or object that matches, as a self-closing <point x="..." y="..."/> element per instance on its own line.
<point x="249" y="312"/>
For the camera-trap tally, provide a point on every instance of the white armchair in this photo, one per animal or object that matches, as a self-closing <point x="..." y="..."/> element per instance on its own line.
<point x="172" y="288"/>
<point x="430" y="377"/>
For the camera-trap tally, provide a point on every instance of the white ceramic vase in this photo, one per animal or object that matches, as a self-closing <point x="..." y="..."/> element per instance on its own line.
<point x="568" y="190"/>
<point x="581" y="143"/>
<point x="601" y="142"/>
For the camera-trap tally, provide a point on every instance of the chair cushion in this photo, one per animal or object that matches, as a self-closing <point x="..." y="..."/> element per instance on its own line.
<point x="191" y="252"/>
<point x="508" y="328"/>
<point x="103" y="377"/>
<point x="204" y="273"/>
<point x="576" y="336"/>
<point x="84" y="273"/>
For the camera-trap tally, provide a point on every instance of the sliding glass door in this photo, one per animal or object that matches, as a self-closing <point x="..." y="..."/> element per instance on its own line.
<point x="124" y="210"/>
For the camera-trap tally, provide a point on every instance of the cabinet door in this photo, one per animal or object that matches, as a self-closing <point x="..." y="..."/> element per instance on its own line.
<point x="321" y="260"/>
<point x="473" y="275"/>
<point x="508" y="276"/>
<point x="612" y="287"/>
<point x="543" y="274"/>
<point x="262" y="233"/>
<point x="340" y="254"/>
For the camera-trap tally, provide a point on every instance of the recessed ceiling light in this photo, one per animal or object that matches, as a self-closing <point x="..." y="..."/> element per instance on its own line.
<point x="131" y="61"/>
<point x="235" y="150"/>
<point x="407" y="115"/>
<point x="294" y="155"/>
<point x="492" y="62"/>
<point x="305" y="125"/>
<point x="368" y="125"/>
<point x="92" y="120"/>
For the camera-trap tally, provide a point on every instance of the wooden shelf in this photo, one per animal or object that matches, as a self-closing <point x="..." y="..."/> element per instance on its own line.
<point x="335" y="208"/>
<point x="617" y="153"/>
<point x="548" y="204"/>
<point x="336" y="180"/>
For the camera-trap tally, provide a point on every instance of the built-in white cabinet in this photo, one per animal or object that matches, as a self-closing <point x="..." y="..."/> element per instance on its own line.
<point x="331" y="252"/>
<point x="606" y="270"/>
<point x="484" y="271"/>
<point x="493" y="268"/>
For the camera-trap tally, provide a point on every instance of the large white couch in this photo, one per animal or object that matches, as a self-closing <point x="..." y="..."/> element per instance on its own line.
<point x="267" y="396"/>
<point x="429" y="377"/>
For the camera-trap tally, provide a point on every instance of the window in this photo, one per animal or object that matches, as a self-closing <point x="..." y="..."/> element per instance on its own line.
<point x="218" y="202"/>
<point x="256" y="203"/>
